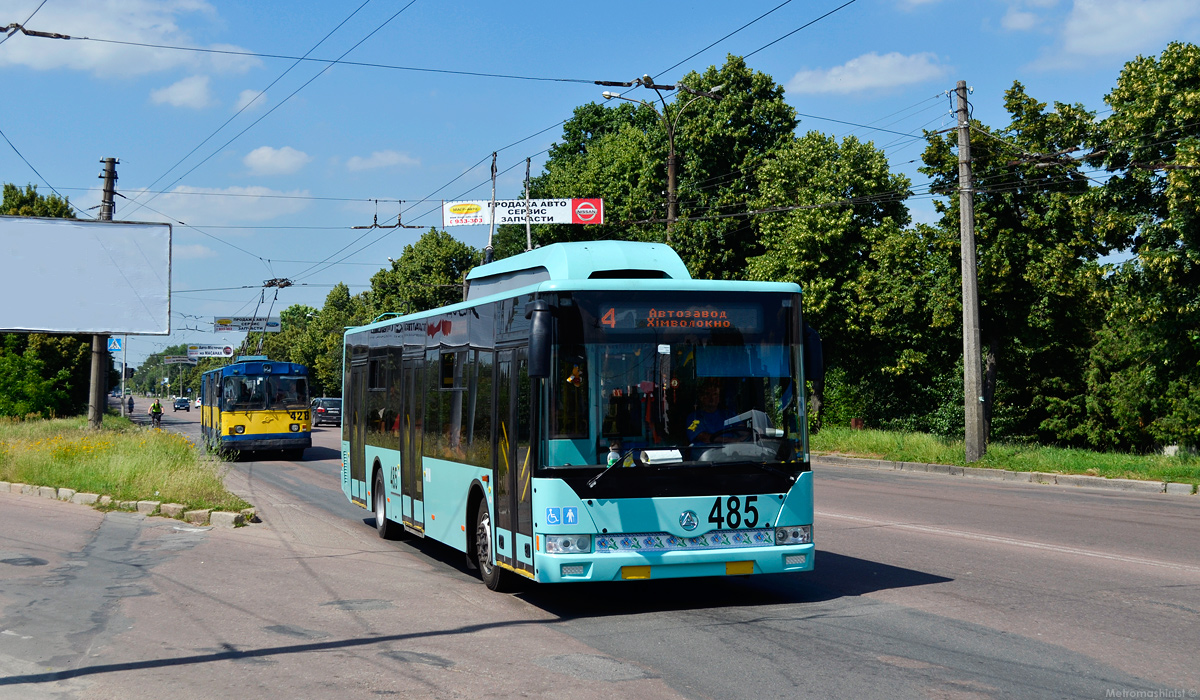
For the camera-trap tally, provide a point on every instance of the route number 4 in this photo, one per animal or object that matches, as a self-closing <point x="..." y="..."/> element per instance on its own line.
<point x="736" y="513"/>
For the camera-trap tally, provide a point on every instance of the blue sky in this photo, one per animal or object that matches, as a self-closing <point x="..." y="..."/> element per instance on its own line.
<point x="308" y="171"/>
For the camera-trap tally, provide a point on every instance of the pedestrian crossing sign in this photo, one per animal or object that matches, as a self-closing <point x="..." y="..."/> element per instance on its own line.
<point x="114" y="345"/>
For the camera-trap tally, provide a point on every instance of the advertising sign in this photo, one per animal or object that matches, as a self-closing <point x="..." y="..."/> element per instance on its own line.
<point x="178" y="360"/>
<point x="198" y="351"/>
<point x="465" y="213"/>
<point x="515" y="211"/>
<point x="229" y="324"/>
<point x="93" y="277"/>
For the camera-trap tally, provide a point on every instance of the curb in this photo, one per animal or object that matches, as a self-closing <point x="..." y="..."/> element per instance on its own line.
<point x="167" y="510"/>
<point x="1076" y="480"/>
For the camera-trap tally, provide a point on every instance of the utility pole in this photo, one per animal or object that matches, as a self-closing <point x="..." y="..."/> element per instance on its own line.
<point x="528" y="235"/>
<point x="488" y="250"/>
<point x="976" y="441"/>
<point x="669" y="124"/>
<point x="100" y="364"/>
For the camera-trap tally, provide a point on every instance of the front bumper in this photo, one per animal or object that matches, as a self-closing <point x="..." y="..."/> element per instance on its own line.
<point x="253" y="443"/>
<point x="618" y="566"/>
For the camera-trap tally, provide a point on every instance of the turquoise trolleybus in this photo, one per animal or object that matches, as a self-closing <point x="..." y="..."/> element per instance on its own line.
<point x="588" y="413"/>
<point x="255" y="405"/>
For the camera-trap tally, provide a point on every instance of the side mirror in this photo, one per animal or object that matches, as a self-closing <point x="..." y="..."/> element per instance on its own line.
<point x="538" y="311"/>
<point x="814" y="358"/>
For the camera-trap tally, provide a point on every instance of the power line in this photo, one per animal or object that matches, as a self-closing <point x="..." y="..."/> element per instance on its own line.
<point x="803" y="26"/>
<point x="251" y="102"/>
<point x="706" y="48"/>
<point x="35" y="172"/>
<point x="291" y="95"/>
<point x="12" y="28"/>
<point x="339" y="62"/>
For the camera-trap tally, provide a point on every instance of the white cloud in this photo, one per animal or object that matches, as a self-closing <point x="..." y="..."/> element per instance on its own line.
<point x="380" y="159"/>
<point x="265" y="160"/>
<point x="1124" y="27"/>
<point x="247" y="96"/>
<point x="1017" y="21"/>
<point x="190" y="92"/>
<point x="140" y="21"/>
<point x="868" y="72"/>
<point x="200" y="206"/>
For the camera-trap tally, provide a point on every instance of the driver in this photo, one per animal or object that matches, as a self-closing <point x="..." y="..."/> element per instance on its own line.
<point x="710" y="417"/>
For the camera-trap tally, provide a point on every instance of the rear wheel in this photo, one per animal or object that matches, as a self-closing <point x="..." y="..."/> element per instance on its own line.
<point x="493" y="576"/>
<point x="387" y="529"/>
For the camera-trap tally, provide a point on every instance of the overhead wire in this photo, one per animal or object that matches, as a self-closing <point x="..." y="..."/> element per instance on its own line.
<point x="290" y="95"/>
<point x="13" y="29"/>
<point x="40" y="177"/>
<point x="251" y="102"/>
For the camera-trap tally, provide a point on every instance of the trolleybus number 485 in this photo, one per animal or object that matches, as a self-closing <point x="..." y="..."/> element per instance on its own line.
<point x="736" y="513"/>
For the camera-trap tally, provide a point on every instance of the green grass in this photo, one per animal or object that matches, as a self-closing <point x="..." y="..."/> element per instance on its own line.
<point x="121" y="460"/>
<point x="929" y="449"/>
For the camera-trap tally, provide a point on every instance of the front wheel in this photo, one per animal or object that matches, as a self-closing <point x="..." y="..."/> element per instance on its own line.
<point x="387" y="529"/>
<point x="493" y="576"/>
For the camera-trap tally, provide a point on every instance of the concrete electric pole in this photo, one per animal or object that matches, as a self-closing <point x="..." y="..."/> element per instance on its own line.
<point x="100" y="364"/>
<point x="976" y="441"/>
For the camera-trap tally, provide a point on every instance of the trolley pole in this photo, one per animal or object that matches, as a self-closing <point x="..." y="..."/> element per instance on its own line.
<point x="100" y="363"/>
<point x="976" y="440"/>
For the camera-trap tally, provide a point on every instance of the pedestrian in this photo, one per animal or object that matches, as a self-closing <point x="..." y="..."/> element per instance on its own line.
<point x="130" y="405"/>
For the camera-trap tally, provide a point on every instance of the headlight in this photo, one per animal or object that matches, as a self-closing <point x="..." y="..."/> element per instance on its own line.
<point x="295" y="427"/>
<point x="796" y="534"/>
<point x="238" y="429"/>
<point x="568" y="544"/>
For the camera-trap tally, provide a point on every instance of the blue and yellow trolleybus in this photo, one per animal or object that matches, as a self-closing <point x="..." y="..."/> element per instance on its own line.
<point x="588" y="413"/>
<point x="256" y="405"/>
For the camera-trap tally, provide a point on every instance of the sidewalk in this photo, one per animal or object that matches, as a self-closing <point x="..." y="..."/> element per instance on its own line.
<point x="1045" y="478"/>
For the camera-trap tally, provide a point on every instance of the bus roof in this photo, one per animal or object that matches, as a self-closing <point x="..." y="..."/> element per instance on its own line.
<point x="584" y="266"/>
<point x="577" y="261"/>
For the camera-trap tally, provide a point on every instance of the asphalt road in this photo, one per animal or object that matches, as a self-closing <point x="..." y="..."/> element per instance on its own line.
<point x="925" y="587"/>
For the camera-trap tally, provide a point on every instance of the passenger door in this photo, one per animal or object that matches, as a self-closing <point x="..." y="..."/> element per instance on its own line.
<point x="513" y="462"/>
<point x="411" y="432"/>
<point x="358" y="435"/>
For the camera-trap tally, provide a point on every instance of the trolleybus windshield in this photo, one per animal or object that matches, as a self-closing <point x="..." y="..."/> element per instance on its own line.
<point x="680" y="378"/>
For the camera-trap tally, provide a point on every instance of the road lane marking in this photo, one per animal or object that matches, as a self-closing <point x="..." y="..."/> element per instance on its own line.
<point x="1011" y="541"/>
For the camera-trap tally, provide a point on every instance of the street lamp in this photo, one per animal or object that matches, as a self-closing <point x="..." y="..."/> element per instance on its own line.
<point x="670" y="125"/>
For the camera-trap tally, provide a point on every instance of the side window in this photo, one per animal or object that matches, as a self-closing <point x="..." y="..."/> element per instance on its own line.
<point x="569" y="397"/>
<point x="433" y="443"/>
<point x="479" y="409"/>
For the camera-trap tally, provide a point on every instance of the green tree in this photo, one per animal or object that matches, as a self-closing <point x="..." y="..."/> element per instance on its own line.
<point x="1039" y="234"/>
<point x="1144" y="373"/>
<point x="620" y="153"/>
<point x="843" y="203"/>
<point x="28" y="202"/>
<point x="428" y="274"/>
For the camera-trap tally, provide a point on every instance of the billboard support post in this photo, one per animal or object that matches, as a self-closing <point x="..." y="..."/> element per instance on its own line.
<point x="100" y="363"/>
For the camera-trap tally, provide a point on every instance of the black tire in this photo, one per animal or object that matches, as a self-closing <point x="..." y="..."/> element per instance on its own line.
<point x="387" y="529"/>
<point x="493" y="576"/>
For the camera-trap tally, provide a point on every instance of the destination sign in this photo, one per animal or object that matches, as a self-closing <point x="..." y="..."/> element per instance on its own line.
<point x="683" y="317"/>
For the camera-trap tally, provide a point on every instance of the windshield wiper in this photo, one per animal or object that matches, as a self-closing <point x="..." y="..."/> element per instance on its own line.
<point x="592" y="481"/>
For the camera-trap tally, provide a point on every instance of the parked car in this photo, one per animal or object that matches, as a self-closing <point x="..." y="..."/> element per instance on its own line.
<point x="182" y="403"/>
<point x="198" y="403"/>
<point x="326" y="411"/>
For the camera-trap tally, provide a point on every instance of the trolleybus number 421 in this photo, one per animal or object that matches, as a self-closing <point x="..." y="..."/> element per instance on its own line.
<point x="737" y="513"/>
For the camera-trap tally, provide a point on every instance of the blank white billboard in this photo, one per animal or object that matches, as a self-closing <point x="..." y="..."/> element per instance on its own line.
<point x="97" y="277"/>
